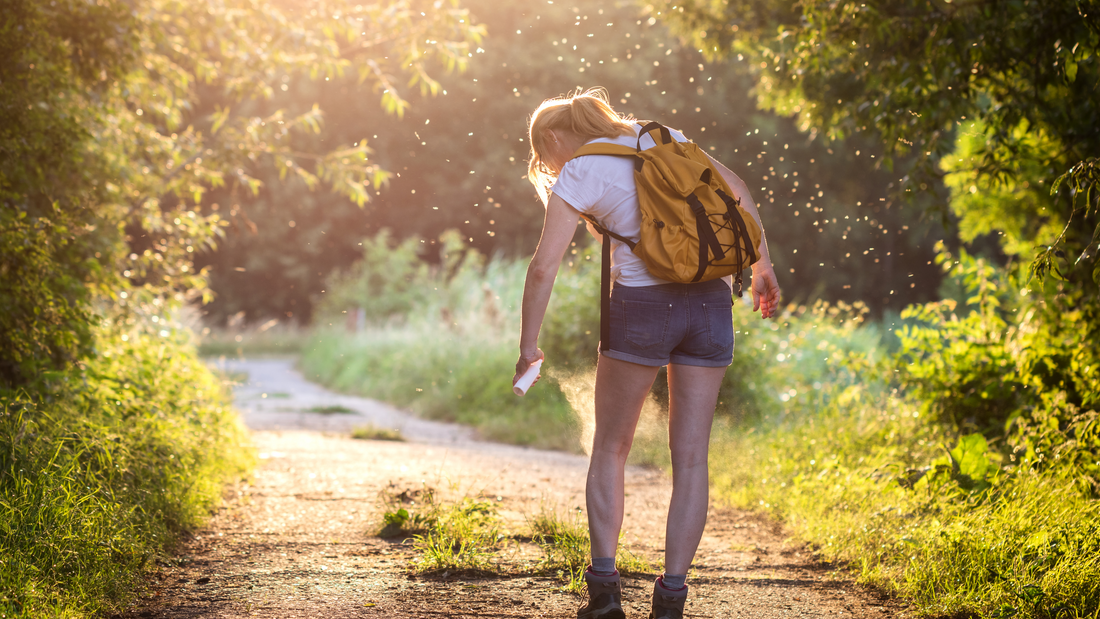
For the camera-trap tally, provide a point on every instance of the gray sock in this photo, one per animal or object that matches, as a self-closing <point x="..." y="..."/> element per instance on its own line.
<point x="603" y="566"/>
<point x="674" y="582"/>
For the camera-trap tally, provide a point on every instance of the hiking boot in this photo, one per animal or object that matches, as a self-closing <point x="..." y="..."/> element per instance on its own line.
<point x="605" y="597"/>
<point x="667" y="604"/>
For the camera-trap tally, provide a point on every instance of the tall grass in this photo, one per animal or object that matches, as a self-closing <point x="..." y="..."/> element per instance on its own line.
<point x="270" y="338"/>
<point x="451" y="357"/>
<point x="98" y="477"/>
<point x="945" y="520"/>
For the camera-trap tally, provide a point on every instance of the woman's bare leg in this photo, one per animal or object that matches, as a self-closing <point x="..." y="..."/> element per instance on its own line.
<point x="621" y="389"/>
<point x="693" y="394"/>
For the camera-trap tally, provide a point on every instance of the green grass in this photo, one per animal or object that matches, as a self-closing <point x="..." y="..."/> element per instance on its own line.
<point x="98" y="478"/>
<point x="264" y="340"/>
<point x="463" y="538"/>
<point x="374" y="433"/>
<point x="565" y="546"/>
<point x="566" y="549"/>
<point x="329" y="409"/>
<point x="858" y="471"/>
<point x="467" y="536"/>
<point x="460" y="537"/>
<point x="452" y="360"/>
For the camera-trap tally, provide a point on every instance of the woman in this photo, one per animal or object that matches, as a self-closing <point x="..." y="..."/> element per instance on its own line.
<point x="694" y="339"/>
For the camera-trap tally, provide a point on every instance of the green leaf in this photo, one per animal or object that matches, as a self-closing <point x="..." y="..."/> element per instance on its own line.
<point x="1031" y="593"/>
<point x="971" y="457"/>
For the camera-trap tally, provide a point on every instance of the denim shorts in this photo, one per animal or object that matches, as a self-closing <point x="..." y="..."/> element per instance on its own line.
<point x="687" y="324"/>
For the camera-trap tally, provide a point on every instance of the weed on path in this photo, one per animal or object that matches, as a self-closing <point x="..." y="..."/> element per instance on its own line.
<point x="302" y="540"/>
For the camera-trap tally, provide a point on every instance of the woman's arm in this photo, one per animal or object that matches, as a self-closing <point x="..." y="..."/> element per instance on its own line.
<point x="557" y="233"/>
<point x="765" y="287"/>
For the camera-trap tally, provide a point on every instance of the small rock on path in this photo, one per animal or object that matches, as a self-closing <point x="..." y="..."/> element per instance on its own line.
<point x="299" y="540"/>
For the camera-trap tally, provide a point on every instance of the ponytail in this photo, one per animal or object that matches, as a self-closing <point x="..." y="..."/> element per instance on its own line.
<point x="586" y="114"/>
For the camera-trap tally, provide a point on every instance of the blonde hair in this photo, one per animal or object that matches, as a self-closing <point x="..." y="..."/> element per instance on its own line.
<point x="586" y="114"/>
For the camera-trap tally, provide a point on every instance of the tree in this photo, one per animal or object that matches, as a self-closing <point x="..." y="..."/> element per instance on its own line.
<point x="996" y="99"/>
<point x="108" y="144"/>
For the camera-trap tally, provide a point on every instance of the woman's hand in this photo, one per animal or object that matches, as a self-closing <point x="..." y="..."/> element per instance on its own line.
<point x="765" y="290"/>
<point x="525" y="361"/>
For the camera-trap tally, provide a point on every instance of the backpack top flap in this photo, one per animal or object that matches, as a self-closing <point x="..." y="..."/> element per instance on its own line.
<point x="680" y="164"/>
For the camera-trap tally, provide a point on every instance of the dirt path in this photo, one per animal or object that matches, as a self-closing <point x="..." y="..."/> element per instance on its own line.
<point x="299" y="541"/>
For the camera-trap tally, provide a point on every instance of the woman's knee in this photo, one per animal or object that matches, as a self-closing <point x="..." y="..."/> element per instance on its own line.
<point x="616" y="448"/>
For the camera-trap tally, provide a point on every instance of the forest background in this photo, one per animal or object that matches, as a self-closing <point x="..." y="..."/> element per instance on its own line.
<point x="268" y="163"/>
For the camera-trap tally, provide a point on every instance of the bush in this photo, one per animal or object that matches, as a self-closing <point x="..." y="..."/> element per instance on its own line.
<point x="1015" y="367"/>
<point x="99" y="476"/>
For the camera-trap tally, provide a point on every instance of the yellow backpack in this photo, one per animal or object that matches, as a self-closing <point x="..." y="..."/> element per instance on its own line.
<point x="693" y="229"/>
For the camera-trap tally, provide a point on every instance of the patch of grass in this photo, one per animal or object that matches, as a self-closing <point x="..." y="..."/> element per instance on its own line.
<point x="98" y="479"/>
<point x="462" y="538"/>
<point x="267" y="339"/>
<point x="450" y="358"/>
<point x="332" y="409"/>
<point x="631" y="564"/>
<point x="408" y="512"/>
<point x="374" y="433"/>
<point x="565" y="546"/>
<point x="566" y="549"/>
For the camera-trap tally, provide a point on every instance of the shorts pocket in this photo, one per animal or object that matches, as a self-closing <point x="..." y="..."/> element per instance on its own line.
<point x="719" y="324"/>
<point x="645" y="323"/>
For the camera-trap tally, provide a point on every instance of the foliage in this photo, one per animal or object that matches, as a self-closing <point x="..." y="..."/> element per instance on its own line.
<point x="109" y="140"/>
<point x="52" y="60"/>
<point x="955" y="523"/>
<point x="1082" y="179"/>
<point x="408" y="512"/>
<point x="388" y="280"/>
<point x="1020" y="74"/>
<point x="1002" y="364"/>
<point x="115" y="436"/>
<point x="99" y="477"/>
<point x="960" y="366"/>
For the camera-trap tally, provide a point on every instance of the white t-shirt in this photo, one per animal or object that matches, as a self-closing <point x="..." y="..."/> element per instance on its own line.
<point x="602" y="186"/>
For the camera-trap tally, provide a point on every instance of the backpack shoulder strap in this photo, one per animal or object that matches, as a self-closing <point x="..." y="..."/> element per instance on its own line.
<point x="666" y="135"/>
<point x="603" y="148"/>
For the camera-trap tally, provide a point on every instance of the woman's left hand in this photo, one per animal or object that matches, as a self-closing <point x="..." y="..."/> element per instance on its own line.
<point x="765" y="290"/>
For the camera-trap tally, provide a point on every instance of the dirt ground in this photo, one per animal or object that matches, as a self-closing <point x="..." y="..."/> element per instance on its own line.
<point x="300" y="539"/>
